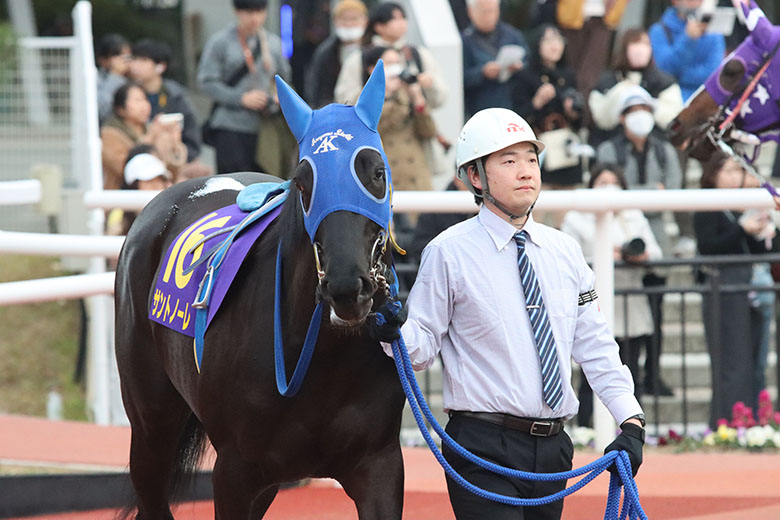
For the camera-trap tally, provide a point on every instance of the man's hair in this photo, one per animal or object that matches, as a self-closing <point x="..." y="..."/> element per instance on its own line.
<point x="250" y="5"/>
<point x="345" y="5"/>
<point x="155" y="50"/>
<point x="110" y="45"/>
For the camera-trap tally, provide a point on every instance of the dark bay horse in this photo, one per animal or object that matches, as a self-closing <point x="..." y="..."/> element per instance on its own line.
<point x="738" y="107"/>
<point x="344" y="422"/>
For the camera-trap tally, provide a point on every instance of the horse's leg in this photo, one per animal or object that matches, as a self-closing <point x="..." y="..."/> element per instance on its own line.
<point x="157" y="416"/>
<point x="153" y="447"/>
<point x="239" y="490"/>
<point x="377" y="485"/>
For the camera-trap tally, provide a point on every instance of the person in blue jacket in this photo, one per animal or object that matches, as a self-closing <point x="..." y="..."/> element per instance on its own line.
<point x="682" y="46"/>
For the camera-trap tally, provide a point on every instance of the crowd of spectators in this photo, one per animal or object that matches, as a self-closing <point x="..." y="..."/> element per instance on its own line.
<point x="599" y="100"/>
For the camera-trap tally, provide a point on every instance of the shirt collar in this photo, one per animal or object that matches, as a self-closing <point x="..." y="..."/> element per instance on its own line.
<point x="502" y="232"/>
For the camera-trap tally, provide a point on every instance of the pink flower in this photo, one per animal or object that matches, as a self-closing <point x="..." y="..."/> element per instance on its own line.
<point x="725" y="422"/>
<point x="763" y="398"/>
<point x="776" y="418"/>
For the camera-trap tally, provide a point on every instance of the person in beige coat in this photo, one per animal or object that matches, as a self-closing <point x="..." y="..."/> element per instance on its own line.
<point x="405" y="123"/>
<point x="127" y="127"/>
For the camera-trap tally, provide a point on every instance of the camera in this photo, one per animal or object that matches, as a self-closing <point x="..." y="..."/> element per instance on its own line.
<point x="408" y="76"/>
<point x="634" y="247"/>
<point x="577" y="99"/>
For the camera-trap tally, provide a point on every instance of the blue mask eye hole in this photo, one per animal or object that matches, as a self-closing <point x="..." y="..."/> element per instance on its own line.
<point x="304" y="183"/>
<point x="369" y="167"/>
<point x="731" y="75"/>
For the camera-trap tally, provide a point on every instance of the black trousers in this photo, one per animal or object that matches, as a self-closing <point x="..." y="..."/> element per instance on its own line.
<point x="512" y="449"/>
<point x="235" y="151"/>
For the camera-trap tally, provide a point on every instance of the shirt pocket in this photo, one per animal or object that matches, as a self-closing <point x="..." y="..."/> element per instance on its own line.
<point x="562" y="309"/>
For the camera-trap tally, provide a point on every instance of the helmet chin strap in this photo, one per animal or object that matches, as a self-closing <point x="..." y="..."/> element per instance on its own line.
<point x="489" y="197"/>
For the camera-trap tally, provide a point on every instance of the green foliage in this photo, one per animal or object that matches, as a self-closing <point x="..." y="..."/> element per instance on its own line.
<point x="38" y="346"/>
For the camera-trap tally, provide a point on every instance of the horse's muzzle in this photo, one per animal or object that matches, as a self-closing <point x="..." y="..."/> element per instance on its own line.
<point x="350" y="300"/>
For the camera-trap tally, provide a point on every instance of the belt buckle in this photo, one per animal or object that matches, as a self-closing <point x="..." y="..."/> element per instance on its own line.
<point x="541" y="428"/>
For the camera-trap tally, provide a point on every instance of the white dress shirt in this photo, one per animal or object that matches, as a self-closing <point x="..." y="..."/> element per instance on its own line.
<point x="468" y="304"/>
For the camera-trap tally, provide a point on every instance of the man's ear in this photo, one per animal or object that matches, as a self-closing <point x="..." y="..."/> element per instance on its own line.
<point x="473" y="174"/>
<point x="160" y="68"/>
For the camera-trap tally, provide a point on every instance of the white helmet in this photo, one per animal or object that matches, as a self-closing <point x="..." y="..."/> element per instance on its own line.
<point x="488" y="131"/>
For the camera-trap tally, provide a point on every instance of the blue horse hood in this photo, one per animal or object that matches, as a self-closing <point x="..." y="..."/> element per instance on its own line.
<point x="330" y="146"/>
<point x="329" y="139"/>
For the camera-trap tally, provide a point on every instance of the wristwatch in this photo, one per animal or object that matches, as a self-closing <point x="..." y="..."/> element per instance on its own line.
<point x="640" y="417"/>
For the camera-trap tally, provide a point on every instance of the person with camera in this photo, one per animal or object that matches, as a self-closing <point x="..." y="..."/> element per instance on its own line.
<point x="634" y="244"/>
<point x="683" y="47"/>
<point x="633" y="65"/>
<point x="546" y="96"/>
<point x="236" y="70"/>
<point x="387" y="27"/>
<point x="406" y="123"/>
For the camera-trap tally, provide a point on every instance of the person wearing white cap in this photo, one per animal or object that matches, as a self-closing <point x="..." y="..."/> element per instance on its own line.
<point x="145" y="171"/>
<point x="508" y="302"/>
<point x="648" y="159"/>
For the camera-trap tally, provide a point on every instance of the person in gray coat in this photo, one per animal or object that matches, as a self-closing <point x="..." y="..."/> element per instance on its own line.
<point x="237" y="71"/>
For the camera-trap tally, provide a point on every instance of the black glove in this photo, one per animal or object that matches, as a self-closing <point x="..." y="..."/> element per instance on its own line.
<point x="385" y="324"/>
<point x="631" y="440"/>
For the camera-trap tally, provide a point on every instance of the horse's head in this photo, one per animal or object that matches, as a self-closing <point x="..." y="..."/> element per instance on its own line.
<point x="709" y="114"/>
<point x="343" y="180"/>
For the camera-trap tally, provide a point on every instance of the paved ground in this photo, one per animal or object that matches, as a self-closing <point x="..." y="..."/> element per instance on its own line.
<point x="713" y="486"/>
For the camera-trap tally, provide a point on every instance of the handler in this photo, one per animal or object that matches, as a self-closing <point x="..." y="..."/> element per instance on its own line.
<point x="508" y="302"/>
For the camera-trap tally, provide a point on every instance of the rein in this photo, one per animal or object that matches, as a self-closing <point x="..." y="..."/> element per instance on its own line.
<point x="631" y="507"/>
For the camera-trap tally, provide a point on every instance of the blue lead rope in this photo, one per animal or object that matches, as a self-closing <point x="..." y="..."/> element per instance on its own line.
<point x="631" y="507"/>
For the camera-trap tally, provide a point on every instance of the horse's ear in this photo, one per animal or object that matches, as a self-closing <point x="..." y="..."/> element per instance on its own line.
<point x="372" y="98"/>
<point x="296" y="111"/>
<point x="751" y="15"/>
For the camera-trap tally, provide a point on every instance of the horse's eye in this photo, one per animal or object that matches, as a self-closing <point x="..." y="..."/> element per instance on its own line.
<point x="379" y="174"/>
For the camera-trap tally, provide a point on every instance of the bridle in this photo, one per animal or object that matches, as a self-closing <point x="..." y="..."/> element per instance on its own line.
<point x="378" y="268"/>
<point x="721" y="125"/>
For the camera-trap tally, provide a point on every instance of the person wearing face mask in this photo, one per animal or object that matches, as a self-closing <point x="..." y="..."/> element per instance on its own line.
<point x="387" y="27"/>
<point x="350" y="18"/>
<point x="405" y="124"/>
<point x="683" y="47"/>
<point x="634" y="243"/>
<point x="648" y="159"/>
<point x="633" y="65"/>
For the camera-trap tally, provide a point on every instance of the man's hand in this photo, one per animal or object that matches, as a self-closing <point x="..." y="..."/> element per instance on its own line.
<point x="630" y="440"/>
<point x="491" y="70"/>
<point x="695" y="29"/>
<point x="385" y="324"/>
<point x="254" y="99"/>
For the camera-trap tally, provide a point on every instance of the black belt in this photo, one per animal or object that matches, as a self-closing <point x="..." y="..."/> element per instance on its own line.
<point x="538" y="427"/>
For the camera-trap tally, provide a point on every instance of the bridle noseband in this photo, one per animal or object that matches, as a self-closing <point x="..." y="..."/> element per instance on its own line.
<point x="378" y="267"/>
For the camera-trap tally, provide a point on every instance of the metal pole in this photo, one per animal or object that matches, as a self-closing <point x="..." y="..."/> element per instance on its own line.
<point x="604" y="268"/>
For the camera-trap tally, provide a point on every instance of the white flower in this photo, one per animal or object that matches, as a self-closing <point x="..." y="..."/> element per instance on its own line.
<point x="758" y="436"/>
<point x="776" y="439"/>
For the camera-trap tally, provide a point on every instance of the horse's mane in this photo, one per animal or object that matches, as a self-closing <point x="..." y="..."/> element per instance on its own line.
<point x="290" y="222"/>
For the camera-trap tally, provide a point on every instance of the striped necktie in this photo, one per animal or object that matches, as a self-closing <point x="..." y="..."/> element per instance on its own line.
<point x="545" y="343"/>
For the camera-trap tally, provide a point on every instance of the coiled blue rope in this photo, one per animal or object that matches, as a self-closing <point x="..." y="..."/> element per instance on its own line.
<point x="631" y="507"/>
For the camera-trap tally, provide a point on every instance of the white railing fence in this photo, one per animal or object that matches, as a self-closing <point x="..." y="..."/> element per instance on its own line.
<point x="598" y="202"/>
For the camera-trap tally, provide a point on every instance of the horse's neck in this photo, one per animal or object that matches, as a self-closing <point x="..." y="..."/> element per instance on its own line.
<point x="299" y="282"/>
